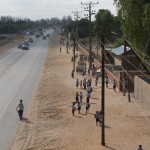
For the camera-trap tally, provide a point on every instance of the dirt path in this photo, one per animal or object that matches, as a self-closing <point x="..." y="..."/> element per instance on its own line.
<point x="49" y="124"/>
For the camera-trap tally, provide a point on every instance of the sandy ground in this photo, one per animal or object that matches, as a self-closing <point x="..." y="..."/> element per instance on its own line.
<point x="49" y="124"/>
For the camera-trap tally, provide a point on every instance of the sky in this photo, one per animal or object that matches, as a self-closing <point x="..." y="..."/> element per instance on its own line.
<point x="42" y="9"/>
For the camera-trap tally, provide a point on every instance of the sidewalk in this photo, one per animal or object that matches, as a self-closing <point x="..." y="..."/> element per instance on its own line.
<point x="51" y="126"/>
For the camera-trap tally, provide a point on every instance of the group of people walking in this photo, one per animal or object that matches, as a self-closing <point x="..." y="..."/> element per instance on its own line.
<point x="86" y="85"/>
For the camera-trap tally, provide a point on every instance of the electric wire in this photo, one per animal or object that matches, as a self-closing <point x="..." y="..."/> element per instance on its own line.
<point x="129" y="93"/>
<point x="132" y="65"/>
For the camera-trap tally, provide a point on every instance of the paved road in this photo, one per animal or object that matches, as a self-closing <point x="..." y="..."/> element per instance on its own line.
<point x="19" y="75"/>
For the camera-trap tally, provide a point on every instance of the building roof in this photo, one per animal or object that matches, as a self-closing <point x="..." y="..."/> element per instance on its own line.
<point x="119" y="50"/>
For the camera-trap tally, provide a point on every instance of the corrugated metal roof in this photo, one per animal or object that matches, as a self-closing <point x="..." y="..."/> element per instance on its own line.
<point x="119" y="50"/>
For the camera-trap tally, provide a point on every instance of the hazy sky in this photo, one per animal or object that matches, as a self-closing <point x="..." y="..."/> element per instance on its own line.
<point x="37" y="9"/>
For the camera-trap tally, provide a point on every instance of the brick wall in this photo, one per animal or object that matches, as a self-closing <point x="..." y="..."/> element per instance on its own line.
<point x="142" y="88"/>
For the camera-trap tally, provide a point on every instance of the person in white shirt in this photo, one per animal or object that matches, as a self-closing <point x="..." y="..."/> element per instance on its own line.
<point x="140" y="148"/>
<point x="20" y="109"/>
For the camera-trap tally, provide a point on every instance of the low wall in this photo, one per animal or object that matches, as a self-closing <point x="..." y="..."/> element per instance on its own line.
<point x="142" y="88"/>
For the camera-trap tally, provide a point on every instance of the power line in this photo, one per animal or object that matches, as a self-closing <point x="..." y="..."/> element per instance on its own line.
<point x="91" y="12"/>
<point x="128" y="92"/>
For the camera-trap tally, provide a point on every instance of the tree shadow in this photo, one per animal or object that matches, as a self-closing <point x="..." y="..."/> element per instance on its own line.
<point x="26" y="120"/>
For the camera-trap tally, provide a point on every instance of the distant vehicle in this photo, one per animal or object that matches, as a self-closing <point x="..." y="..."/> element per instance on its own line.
<point x="44" y="37"/>
<point x="20" y="45"/>
<point x="37" y="36"/>
<point x="48" y="35"/>
<point x="26" y="43"/>
<point x="25" y="47"/>
<point x="30" y="40"/>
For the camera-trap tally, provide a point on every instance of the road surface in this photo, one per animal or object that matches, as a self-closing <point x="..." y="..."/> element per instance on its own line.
<point x="19" y="75"/>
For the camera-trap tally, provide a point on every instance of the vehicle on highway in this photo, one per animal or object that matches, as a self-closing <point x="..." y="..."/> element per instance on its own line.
<point x="48" y="35"/>
<point x="44" y="37"/>
<point x="20" y="45"/>
<point x="25" y="47"/>
<point x="26" y="43"/>
<point x="37" y="36"/>
<point x="30" y="40"/>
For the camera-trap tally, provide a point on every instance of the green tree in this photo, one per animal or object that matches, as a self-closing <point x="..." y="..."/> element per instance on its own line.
<point x="104" y="23"/>
<point x="134" y="16"/>
<point x="83" y="28"/>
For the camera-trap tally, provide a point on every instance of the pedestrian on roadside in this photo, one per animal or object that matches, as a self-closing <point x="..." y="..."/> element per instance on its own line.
<point x="73" y="108"/>
<point x="77" y="83"/>
<point x="140" y="148"/>
<point x="84" y="84"/>
<point x="79" y="107"/>
<point x="87" y="106"/>
<point x="88" y="94"/>
<point x="96" y="117"/>
<point x="60" y="49"/>
<point x="90" y="81"/>
<point x="106" y="81"/>
<point x="77" y="97"/>
<point x="126" y="85"/>
<point x="114" y="85"/>
<point x="100" y="117"/>
<point x="80" y="83"/>
<point x="20" y="109"/>
<point x="81" y="96"/>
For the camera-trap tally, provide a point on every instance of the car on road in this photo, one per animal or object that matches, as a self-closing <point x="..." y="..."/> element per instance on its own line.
<point x="37" y="35"/>
<point x="48" y="35"/>
<point x="26" y="43"/>
<point x="25" y="47"/>
<point x="44" y="37"/>
<point x="20" y="45"/>
<point x="30" y="40"/>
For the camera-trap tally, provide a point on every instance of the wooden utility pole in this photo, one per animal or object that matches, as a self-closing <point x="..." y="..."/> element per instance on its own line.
<point x="74" y="46"/>
<point x="124" y="66"/>
<point x="76" y="14"/>
<point x="67" y="42"/>
<point x="88" y="8"/>
<point x="103" y="93"/>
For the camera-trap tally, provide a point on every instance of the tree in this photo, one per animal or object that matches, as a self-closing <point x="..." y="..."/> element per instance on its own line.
<point x="83" y="28"/>
<point x="134" y="16"/>
<point x="104" y="23"/>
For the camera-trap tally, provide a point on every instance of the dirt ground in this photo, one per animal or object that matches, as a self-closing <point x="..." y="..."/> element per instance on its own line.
<point x="49" y="124"/>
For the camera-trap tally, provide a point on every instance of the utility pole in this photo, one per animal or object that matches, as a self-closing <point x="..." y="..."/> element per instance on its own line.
<point x="124" y="66"/>
<point x="67" y="43"/>
<point x="74" y="46"/>
<point x="76" y="14"/>
<point x="88" y="8"/>
<point x="103" y="93"/>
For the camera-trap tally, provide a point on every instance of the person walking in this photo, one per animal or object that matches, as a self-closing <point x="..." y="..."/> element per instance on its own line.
<point x="87" y="106"/>
<point x="20" y="109"/>
<point x="77" y="97"/>
<point x="77" y="83"/>
<point x="100" y="117"/>
<point x="80" y="83"/>
<point x="84" y="84"/>
<point x="73" y="108"/>
<point x="79" y="107"/>
<point x="81" y="96"/>
<point x="140" y="147"/>
<point x="126" y="85"/>
<point x="106" y="81"/>
<point x="96" y="117"/>
<point x="114" y="85"/>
